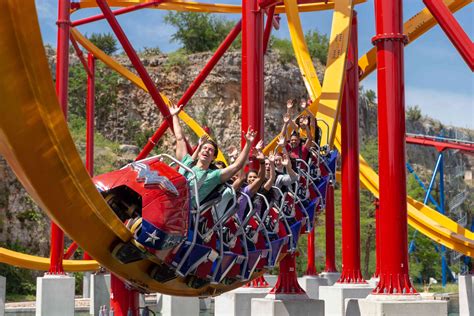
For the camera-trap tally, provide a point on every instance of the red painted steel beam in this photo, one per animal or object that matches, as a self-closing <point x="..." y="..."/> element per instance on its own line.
<point x="252" y="67"/>
<point x="268" y="28"/>
<point x="123" y="301"/>
<point x="99" y="17"/>
<point x="80" y="55"/>
<point x="440" y="145"/>
<point x="223" y="47"/>
<point x="390" y="41"/>
<point x="311" y="265"/>
<point x="135" y="60"/>
<point x="62" y="76"/>
<point x="378" y="239"/>
<point x="90" y="104"/>
<point x="330" y="232"/>
<point x="350" y="166"/>
<point x="453" y="30"/>
<point x="70" y="251"/>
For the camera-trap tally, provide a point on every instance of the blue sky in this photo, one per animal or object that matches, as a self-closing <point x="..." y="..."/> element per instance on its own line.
<point x="436" y="77"/>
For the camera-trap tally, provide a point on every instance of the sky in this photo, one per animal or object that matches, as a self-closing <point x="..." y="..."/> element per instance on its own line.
<point x="436" y="77"/>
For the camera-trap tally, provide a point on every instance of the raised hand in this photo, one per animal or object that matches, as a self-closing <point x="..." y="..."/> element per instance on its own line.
<point x="303" y="104"/>
<point x="250" y="135"/>
<point x="260" y="156"/>
<point x="304" y="121"/>
<point x="259" y="146"/>
<point x="281" y="141"/>
<point x="285" y="160"/>
<point x="286" y="118"/>
<point x="174" y="110"/>
<point x="204" y="138"/>
<point x="271" y="157"/>
<point x="289" y="104"/>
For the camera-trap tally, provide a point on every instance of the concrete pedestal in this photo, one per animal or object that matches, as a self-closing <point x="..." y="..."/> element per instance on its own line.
<point x="373" y="282"/>
<point x="100" y="293"/>
<point x="3" y="287"/>
<point x="86" y="285"/>
<point x="205" y="303"/>
<point x="159" y="302"/>
<point x="392" y="305"/>
<point x="466" y="295"/>
<point x="238" y="302"/>
<point x="55" y="295"/>
<point x="271" y="279"/>
<point x="335" y="296"/>
<point x="311" y="285"/>
<point x="287" y="305"/>
<point x="332" y="277"/>
<point x="179" y="305"/>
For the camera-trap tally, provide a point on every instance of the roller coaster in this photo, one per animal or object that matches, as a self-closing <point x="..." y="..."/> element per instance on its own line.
<point x="137" y="222"/>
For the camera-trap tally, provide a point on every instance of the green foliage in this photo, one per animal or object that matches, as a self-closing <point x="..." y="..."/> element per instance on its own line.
<point x="369" y="150"/>
<point x="105" y="42"/>
<point x="425" y="262"/>
<point x="414" y="189"/>
<point x="106" y="90"/>
<point x="370" y="96"/>
<point x="284" y="49"/>
<point x="176" y="59"/>
<point x="150" y="51"/>
<point x="19" y="281"/>
<point x="318" y="45"/>
<point x="198" y="32"/>
<point x="413" y="113"/>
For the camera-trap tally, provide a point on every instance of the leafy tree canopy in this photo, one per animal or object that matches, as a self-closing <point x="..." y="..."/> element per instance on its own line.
<point x="198" y="32"/>
<point x="105" y="42"/>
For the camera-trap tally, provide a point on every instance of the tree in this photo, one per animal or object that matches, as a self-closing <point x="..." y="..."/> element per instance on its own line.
<point x="318" y="45"/>
<point x="198" y="32"/>
<point x="105" y="42"/>
<point x="370" y="96"/>
<point x="284" y="48"/>
<point x="414" y="113"/>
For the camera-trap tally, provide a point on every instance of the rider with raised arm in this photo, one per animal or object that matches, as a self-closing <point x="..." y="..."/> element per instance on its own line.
<point x="295" y="148"/>
<point x="207" y="179"/>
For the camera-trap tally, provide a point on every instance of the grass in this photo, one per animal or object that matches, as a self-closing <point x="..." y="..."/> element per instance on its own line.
<point x="10" y="298"/>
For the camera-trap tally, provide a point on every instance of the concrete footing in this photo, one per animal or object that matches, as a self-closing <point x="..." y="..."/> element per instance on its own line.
<point x="179" y="305"/>
<point x="393" y="305"/>
<point x="238" y="301"/>
<point x="205" y="303"/>
<point x="335" y="296"/>
<point x="100" y="293"/>
<point x="271" y="279"/>
<point x="311" y="285"/>
<point x="289" y="305"/>
<point x="55" y="295"/>
<point x="86" y="285"/>
<point x="332" y="277"/>
<point x="3" y="287"/>
<point x="466" y="295"/>
<point x="373" y="281"/>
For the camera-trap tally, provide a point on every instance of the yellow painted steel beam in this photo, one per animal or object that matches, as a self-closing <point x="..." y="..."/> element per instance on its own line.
<point x="416" y="26"/>
<point x="35" y="141"/>
<point x="137" y="81"/>
<point x="26" y="261"/>
<point x="428" y="221"/>
<point x="310" y="77"/>
<point x="190" y="6"/>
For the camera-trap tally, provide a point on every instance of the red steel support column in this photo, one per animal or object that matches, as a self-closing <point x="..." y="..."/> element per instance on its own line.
<point x="378" y="239"/>
<point x="453" y="30"/>
<point x="62" y="76"/>
<point x="90" y="114"/>
<point x="330" y="233"/>
<point x="350" y="167"/>
<point x="252" y="67"/>
<point x="311" y="266"/>
<point x="193" y="87"/>
<point x="389" y="40"/>
<point x="287" y="282"/>
<point x="123" y="301"/>
<point x="268" y="28"/>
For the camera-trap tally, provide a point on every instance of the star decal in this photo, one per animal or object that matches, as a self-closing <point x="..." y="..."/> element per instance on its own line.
<point x="152" y="237"/>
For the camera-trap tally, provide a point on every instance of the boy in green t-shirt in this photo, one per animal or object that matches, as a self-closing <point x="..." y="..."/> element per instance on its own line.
<point x="207" y="179"/>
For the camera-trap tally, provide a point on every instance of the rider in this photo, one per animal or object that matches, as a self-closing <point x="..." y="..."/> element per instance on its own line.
<point x="207" y="179"/>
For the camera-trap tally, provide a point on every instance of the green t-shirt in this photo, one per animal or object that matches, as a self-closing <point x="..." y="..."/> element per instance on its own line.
<point x="208" y="180"/>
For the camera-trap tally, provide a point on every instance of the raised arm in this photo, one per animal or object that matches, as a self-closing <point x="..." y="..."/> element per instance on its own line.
<point x="255" y="186"/>
<point x="239" y="163"/>
<point x="201" y="141"/>
<point x="181" y="149"/>
<point x="289" y="168"/>
<point x="309" y="136"/>
<point x="271" y="180"/>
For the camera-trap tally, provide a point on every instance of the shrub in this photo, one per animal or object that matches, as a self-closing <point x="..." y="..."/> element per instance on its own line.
<point x="318" y="45"/>
<point x="105" y="42"/>
<point x="414" y="113"/>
